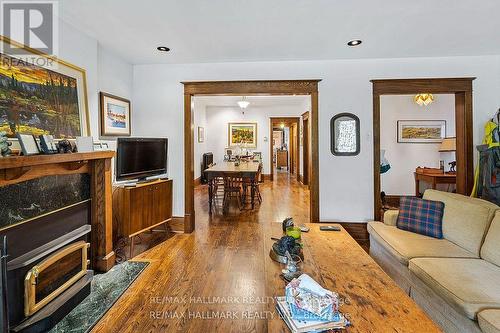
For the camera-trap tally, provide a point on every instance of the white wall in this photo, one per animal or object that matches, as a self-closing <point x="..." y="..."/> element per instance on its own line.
<point x="105" y="71"/>
<point x="216" y="131"/>
<point x="346" y="183"/>
<point x="405" y="157"/>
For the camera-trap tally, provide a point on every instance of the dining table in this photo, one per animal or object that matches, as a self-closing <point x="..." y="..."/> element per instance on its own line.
<point x="244" y="170"/>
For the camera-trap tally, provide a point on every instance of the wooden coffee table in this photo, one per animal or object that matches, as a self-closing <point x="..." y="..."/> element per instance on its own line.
<point x="372" y="301"/>
<point x="225" y="269"/>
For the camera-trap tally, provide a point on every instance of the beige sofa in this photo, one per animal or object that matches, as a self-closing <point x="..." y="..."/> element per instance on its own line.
<point x="456" y="280"/>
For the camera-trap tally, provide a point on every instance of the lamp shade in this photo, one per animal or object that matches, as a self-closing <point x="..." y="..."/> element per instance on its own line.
<point x="448" y="144"/>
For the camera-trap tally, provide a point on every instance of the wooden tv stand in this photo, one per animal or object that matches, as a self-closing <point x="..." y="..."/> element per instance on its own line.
<point x="141" y="208"/>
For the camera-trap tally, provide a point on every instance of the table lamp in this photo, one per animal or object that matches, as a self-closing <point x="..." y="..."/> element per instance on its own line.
<point x="449" y="145"/>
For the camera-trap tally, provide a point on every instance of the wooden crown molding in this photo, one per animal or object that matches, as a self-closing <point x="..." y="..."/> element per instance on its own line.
<point x="278" y="87"/>
<point x="429" y="85"/>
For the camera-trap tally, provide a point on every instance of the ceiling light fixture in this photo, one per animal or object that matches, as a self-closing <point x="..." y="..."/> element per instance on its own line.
<point x="423" y="99"/>
<point x="163" y="48"/>
<point x="354" y="42"/>
<point x="243" y="104"/>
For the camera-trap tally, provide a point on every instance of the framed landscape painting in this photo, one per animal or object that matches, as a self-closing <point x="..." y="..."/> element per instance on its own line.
<point x="115" y="115"/>
<point x="242" y="134"/>
<point x="48" y="96"/>
<point x="421" y="131"/>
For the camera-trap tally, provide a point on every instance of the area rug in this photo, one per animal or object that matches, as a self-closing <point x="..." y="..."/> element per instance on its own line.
<point x="106" y="289"/>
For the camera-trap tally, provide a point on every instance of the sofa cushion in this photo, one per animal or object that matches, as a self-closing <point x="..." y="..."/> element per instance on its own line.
<point x="465" y="219"/>
<point x="490" y="250"/>
<point x="489" y="320"/>
<point x="424" y="217"/>
<point x="405" y="245"/>
<point x="469" y="285"/>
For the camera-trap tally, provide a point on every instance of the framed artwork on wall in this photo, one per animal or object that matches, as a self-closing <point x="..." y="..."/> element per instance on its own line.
<point x="115" y="115"/>
<point x="46" y="96"/>
<point x="201" y="134"/>
<point x="345" y="135"/>
<point x="242" y="134"/>
<point x="421" y="131"/>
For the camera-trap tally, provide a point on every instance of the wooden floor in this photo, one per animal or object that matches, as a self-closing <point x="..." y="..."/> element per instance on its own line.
<point x="225" y="256"/>
<point x="220" y="278"/>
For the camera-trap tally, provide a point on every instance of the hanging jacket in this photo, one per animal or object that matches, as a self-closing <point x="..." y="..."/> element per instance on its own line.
<point x="487" y="173"/>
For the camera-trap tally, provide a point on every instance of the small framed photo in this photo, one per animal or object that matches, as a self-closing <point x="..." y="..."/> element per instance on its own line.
<point x="84" y="144"/>
<point x="201" y="134"/>
<point x="28" y="144"/>
<point x="421" y="131"/>
<point x="115" y="115"/>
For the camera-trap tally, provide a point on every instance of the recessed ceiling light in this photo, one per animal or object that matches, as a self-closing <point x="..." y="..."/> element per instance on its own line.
<point x="354" y="42"/>
<point x="163" y="48"/>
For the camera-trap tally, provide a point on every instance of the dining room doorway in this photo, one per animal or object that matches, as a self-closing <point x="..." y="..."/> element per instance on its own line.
<point x="249" y="88"/>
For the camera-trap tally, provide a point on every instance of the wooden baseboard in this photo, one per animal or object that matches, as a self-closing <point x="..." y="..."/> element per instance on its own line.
<point x="176" y="224"/>
<point x="358" y="231"/>
<point x="197" y="181"/>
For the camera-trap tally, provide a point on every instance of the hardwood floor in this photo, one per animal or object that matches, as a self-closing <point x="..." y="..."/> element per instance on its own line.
<point x="225" y="256"/>
<point x="220" y="278"/>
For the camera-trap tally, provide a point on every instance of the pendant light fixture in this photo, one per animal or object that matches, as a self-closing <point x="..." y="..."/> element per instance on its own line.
<point x="243" y="104"/>
<point x="423" y="99"/>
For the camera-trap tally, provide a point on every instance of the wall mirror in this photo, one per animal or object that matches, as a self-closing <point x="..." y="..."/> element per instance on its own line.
<point x="344" y="135"/>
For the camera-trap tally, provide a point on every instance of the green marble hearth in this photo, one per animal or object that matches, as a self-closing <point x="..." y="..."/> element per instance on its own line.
<point x="106" y="289"/>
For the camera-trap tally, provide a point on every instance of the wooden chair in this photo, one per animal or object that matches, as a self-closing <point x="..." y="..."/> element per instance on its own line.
<point x="218" y="189"/>
<point x="247" y="183"/>
<point x="256" y="184"/>
<point x="232" y="189"/>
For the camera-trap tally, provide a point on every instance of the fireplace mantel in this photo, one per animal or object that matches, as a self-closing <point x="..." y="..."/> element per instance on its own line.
<point x="16" y="169"/>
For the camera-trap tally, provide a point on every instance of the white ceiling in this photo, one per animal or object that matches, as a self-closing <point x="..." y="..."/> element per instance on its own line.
<point x="255" y="101"/>
<point x="276" y="30"/>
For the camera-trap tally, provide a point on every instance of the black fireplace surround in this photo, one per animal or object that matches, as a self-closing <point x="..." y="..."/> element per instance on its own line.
<point x="40" y="219"/>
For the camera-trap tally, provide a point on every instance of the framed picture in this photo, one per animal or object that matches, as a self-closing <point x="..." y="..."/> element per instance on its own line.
<point x="115" y="115"/>
<point x="201" y="134"/>
<point x="345" y="135"/>
<point x="421" y="131"/>
<point x="28" y="144"/>
<point x="242" y="134"/>
<point x="45" y="99"/>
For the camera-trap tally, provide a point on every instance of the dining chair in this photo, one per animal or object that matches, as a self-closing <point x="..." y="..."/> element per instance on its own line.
<point x="249" y="184"/>
<point x="232" y="189"/>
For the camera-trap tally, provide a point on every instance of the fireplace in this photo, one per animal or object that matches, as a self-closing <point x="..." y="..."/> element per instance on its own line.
<point x="54" y="275"/>
<point x="52" y="207"/>
<point x="48" y="271"/>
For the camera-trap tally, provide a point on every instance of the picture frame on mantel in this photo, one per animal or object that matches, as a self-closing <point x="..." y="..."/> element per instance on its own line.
<point x="114" y="115"/>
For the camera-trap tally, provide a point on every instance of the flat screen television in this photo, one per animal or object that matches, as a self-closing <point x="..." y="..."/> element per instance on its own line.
<point x="139" y="158"/>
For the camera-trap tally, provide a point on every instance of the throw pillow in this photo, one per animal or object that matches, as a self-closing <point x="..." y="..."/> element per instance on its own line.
<point x="421" y="216"/>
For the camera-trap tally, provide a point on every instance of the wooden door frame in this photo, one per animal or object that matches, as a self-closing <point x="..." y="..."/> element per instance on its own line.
<point x="305" y="140"/>
<point x="247" y="88"/>
<point x="289" y="121"/>
<point x="462" y="89"/>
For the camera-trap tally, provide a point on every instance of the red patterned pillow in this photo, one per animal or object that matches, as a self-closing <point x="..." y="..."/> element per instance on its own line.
<point x="421" y="216"/>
